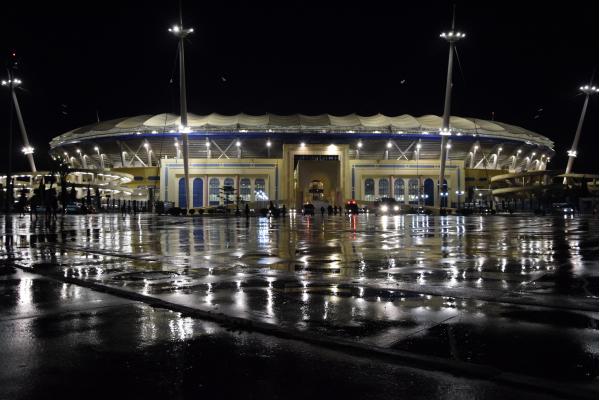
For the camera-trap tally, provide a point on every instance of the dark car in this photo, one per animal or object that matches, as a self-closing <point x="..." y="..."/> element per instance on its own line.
<point x="308" y="209"/>
<point x="563" y="209"/>
<point x="352" y="207"/>
<point x="387" y="206"/>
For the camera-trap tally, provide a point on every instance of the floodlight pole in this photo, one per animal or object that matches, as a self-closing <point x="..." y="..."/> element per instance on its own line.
<point x="587" y="90"/>
<point x="182" y="33"/>
<point x="13" y="82"/>
<point x="452" y="37"/>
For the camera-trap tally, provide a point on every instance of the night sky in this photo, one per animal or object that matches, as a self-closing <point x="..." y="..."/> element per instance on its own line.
<point x="522" y="61"/>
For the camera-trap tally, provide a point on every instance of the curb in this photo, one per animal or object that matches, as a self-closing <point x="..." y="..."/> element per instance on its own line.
<point x="458" y="368"/>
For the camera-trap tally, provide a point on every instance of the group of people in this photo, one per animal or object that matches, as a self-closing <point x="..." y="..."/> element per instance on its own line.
<point x="331" y="210"/>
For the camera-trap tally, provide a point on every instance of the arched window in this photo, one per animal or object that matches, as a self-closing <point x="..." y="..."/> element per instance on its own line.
<point x="369" y="189"/>
<point x="213" y="192"/>
<point x="182" y="194"/>
<point x="413" y="191"/>
<point x="228" y="190"/>
<point x="428" y="192"/>
<point x="198" y="192"/>
<point x="399" y="189"/>
<point x="259" y="190"/>
<point x="384" y="187"/>
<point x="245" y="190"/>
<point x="444" y="194"/>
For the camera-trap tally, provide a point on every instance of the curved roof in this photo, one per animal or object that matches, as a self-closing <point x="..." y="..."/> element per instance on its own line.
<point x="351" y="123"/>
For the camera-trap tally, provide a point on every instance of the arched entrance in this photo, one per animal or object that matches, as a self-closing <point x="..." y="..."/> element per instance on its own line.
<point x="182" y="195"/>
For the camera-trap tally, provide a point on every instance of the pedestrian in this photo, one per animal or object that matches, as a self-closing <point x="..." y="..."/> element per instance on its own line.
<point x="283" y="210"/>
<point x="322" y="211"/>
<point x="329" y="210"/>
<point x="247" y="210"/>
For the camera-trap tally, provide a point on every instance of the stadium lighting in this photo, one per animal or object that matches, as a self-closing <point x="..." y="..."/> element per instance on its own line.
<point x="389" y="145"/>
<point x="452" y="36"/>
<point x="359" y="144"/>
<point x="207" y="144"/>
<point x="268" y="143"/>
<point x="448" y="146"/>
<point x="146" y="145"/>
<point x="418" y="146"/>
<point x="238" y="143"/>
<point x="588" y="90"/>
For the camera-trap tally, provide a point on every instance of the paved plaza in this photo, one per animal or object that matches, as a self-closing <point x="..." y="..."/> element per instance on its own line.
<point x="517" y="294"/>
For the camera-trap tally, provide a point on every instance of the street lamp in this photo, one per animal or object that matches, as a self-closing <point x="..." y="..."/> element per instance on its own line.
<point x="452" y="37"/>
<point x="587" y="90"/>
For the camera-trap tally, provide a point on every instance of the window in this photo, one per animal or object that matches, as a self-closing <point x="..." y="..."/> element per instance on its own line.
<point x="369" y="189"/>
<point x="399" y="189"/>
<point x="384" y="187"/>
<point x="245" y="190"/>
<point x="182" y="195"/>
<point x="413" y="191"/>
<point x="213" y="192"/>
<point x="197" y="192"/>
<point x="228" y="190"/>
<point x="259" y="190"/>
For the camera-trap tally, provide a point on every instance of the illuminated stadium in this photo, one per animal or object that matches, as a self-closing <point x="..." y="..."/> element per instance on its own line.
<point x="275" y="158"/>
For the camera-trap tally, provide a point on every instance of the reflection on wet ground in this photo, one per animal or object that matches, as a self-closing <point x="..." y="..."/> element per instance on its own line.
<point x="519" y="293"/>
<point x="75" y="343"/>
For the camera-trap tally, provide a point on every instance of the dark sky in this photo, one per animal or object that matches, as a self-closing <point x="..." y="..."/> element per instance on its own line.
<point x="522" y="60"/>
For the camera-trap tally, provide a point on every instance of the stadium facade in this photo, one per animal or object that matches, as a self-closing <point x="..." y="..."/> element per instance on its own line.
<point x="279" y="158"/>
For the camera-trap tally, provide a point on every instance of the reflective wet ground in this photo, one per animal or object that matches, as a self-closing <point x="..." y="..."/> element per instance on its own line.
<point x="519" y="293"/>
<point x="62" y="341"/>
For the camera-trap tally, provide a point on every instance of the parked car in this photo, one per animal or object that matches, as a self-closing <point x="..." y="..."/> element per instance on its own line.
<point x="387" y="206"/>
<point x="563" y="209"/>
<point x="73" y="208"/>
<point x="308" y="209"/>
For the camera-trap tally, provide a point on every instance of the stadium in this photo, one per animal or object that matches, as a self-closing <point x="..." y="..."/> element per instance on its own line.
<point x="281" y="159"/>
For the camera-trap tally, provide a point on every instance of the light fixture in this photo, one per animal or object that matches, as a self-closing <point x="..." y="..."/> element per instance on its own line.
<point x="302" y="144"/>
<point x="359" y="144"/>
<point x="238" y="143"/>
<point x="27" y="150"/>
<point x="389" y="145"/>
<point x="268" y="143"/>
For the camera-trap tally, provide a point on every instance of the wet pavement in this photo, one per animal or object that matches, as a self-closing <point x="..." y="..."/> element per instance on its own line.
<point x="519" y="293"/>
<point x="63" y="341"/>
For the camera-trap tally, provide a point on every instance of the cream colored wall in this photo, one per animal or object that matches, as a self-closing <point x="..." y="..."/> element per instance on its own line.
<point x="172" y="170"/>
<point x="364" y="169"/>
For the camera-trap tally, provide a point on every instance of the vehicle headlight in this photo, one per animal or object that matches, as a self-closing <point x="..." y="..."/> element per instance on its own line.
<point x="384" y="208"/>
<point x="396" y="208"/>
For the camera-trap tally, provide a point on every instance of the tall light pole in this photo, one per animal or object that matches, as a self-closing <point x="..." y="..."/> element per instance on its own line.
<point x="587" y="90"/>
<point x="182" y="33"/>
<point x="12" y="83"/>
<point x="451" y="37"/>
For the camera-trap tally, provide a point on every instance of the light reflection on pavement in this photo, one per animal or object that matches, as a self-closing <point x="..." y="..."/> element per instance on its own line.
<point x="516" y="292"/>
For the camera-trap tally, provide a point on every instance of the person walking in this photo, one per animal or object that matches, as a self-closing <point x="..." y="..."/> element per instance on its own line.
<point x="322" y="211"/>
